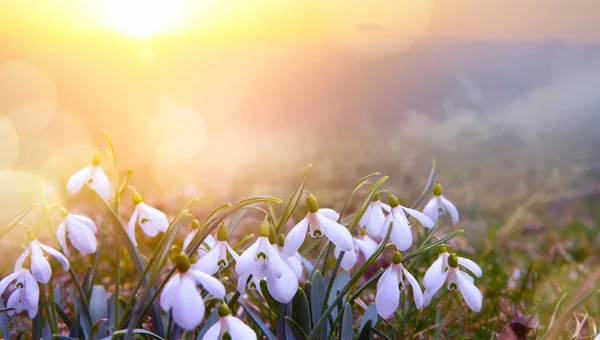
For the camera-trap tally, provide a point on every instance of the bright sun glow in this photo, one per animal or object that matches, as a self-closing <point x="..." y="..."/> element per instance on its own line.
<point x="142" y="18"/>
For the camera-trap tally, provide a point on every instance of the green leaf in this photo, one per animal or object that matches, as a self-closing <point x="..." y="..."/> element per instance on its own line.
<point x="273" y="304"/>
<point x="357" y="186"/>
<point x="98" y="329"/>
<point x="283" y="331"/>
<point x="15" y="221"/>
<point x="293" y="202"/>
<point x="62" y="337"/>
<point x="139" y="332"/>
<point x="98" y="304"/>
<point x="295" y="328"/>
<point x="427" y="186"/>
<point x="2" y="310"/>
<point x="257" y="320"/>
<point x="370" y="317"/>
<point x="317" y="296"/>
<point x="38" y="323"/>
<point x="235" y="221"/>
<point x="301" y="311"/>
<point x="347" y="322"/>
<point x="83" y="320"/>
<point x="63" y="316"/>
<point x="212" y="319"/>
<point x="366" y="332"/>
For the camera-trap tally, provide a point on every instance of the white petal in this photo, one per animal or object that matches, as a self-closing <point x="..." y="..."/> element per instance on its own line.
<point x="214" y="332"/>
<point x="469" y="291"/>
<point x="401" y="235"/>
<point x="419" y="216"/>
<point x="432" y="209"/>
<point x="32" y="290"/>
<point x="189" y="238"/>
<point x="57" y="255"/>
<point x="82" y="238"/>
<point x="452" y="279"/>
<point x="131" y="227"/>
<point x="384" y="206"/>
<point x="78" y="179"/>
<point x="33" y="311"/>
<point x="470" y="265"/>
<point x="349" y="260"/>
<point x="388" y="293"/>
<point x="275" y="262"/>
<point x="209" y="262"/>
<point x="100" y="183"/>
<point x="40" y="268"/>
<point x="233" y="253"/>
<point x="367" y="246"/>
<point x="169" y="292"/>
<point x="417" y="294"/>
<point x="295" y="237"/>
<point x="84" y="221"/>
<point x="151" y="220"/>
<point x="451" y="210"/>
<point x="329" y="213"/>
<point x="365" y="217"/>
<point x="428" y="295"/>
<point x="188" y="306"/>
<point x="61" y="235"/>
<point x="15" y="301"/>
<point x="241" y="283"/>
<point x="284" y="288"/>
<point x="435" y="276"/>
<point x="376" y="222"/>
<point x="211" y="284"/>
<point x="336" y="233"/>
<point x="7" y="280"/>
<point x="21" y="259"/>
<point x="387" y="223"/>
<point x="296" y="264"/>
<point x="238" y="329"/>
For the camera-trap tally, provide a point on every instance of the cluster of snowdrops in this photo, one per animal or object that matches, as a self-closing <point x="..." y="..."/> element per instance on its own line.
<point x="272" y="257"/>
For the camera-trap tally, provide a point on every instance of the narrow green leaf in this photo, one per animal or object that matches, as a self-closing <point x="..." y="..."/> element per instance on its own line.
<point x="366" y="332"/>
<point x="370" y="317"/>
<point x="63" y="316"/>
<point x="317" y="296"/>
<point x="293" y="202"/>
<point x="83" y="320"/>
<point x="273" y="304"/>
<point x="235" y="221"/>
<point x="98" y="305"/>
<point x="295" y="328"/>
<point x="97" y="330"/>
<point x="301" y="311"/>
<point x="138" y="332"/>
<point x="430" y="181"/>
<point x="37" y="323"/>
<point x="357" y="186"/>
<point x="62" y="337"/>
<point x="257" y="320"/>
<point x="347" y="322"/>
<point x="380" y="333"/>
<point x="15" y="220"/>
<point x="2" y="310"/>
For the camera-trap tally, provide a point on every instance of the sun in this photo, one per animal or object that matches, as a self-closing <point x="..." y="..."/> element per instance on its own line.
<point x="142" y="18"/>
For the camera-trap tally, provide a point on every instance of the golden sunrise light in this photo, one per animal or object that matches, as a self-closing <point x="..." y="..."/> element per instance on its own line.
<point x="142" y="18"/>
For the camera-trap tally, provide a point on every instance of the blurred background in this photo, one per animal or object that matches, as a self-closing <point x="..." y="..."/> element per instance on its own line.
<point x="229" y="98"/>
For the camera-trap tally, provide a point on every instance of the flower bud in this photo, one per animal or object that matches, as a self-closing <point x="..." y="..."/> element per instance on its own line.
<point x="453" y="261"/>
<point x="311" y="204"/>
<point x="222" y="233"/>
<point x="264" y="230"/>
<point x="272" y="234"/>
<point x="397" y="257"/>
<point x="393" y="201"/>
<point x="376" y="196"/>
<point x="223" y="310"/>
<point x="437" y="190"/>
<point x="442" y="249"/>
<point x="174" y="251"/>
<point x="30" y="235"/>
<point x="195" y="224"/>
<point x="182" y="262"/>
<point x="96" y="160"/>
<point x="63" y="212"/>
<point x="281" y="240"/>
<point x="137" y="198"/>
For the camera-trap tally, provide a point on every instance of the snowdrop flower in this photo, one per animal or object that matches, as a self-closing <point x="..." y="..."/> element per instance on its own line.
<point x="373" y="218"/>
<point x="439" y="272"/>
<point x="216" y="257"/>
<point x="93" y="176"/>
<point x="81" y="232"/>
<point x="389" y="286"/>
<point x="401" y="234"/>
<point x="229" y="327"/>
<point x="363" y="248"/>
<point x="294" y="261"/>
<point x="209" y="241"/>
<point x="151" y="220"/>
<point x="320" y="221"/>
<point x="183" y="296"/>
<point x="40" y="268"/>
<point x="26" y="295"/>
<point x="438" y="205"/>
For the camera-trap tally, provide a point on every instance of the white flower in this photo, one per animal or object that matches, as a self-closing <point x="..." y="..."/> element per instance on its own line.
<point x="81" y="232"/>
<point x="446" y="267"/>
<point x="401" y="234"/>
<point x="438" y="205"/>
<point x="216" y="257"/>
<point x="92" y="176"/>
<point x="209" y="241"/>
<point x="183" y="296"/>
<point x="294" y="261"/>
<point x="373" y="218"/>
<point x="389" y="286"/>
<point x="151" y="220"/>
<point x="40" y="268"/>
<point x="320" y="221"/>
<point x="363" y="248"/>
<point x="26" y="295"/>
<point x="229" y="327"/>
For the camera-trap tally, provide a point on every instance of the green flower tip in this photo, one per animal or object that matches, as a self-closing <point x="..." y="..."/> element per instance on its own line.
<point x="453" y="261"/>
<point x="311" y="204"/>
<point x="30" y="235"/>
<point x="137" y="198"/>
<point x="376" y="197"/>
<point x="182" y="262"/>
<point x="222" y="233"/>
<point x="280" y="240"/>
<point x="393" y="201"/>
<point x="397" y="257"/>
<point x="63" y="212"/>
<point x="174" y="251"/>
<point x="437" y="189"/>
<point x="272" y="234"/>
<point x="264" y="230"/>
<point x="223" y="310"/>
<point x="195" y="224"/>
<point x="442" y="249"/>
<point x="363" y="232"/>
<point x="96" y="160"/>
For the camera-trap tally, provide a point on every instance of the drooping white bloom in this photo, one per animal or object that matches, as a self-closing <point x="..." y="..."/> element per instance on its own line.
<point x="183" y="296"/>
<point x="389" y="286"/>
<point x="93" y="176"/>
<point x="401" y="234"/>
<point x="294" y="261"/>
<point x="151" y="220"/>
<point x="439" y="272"/>
<point x="81" y="231"/>
<point x="320" y="221"/>
<point x="26" y="295"/>
<point x="229" y="327"/>
<point x="364" y="247"/>
<point x="438" y="205"/>
<point x="40" y="268"/>
<point x="216" y="257"/>
<point x="208" y="244"/>
<point x="373" y="218"/>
